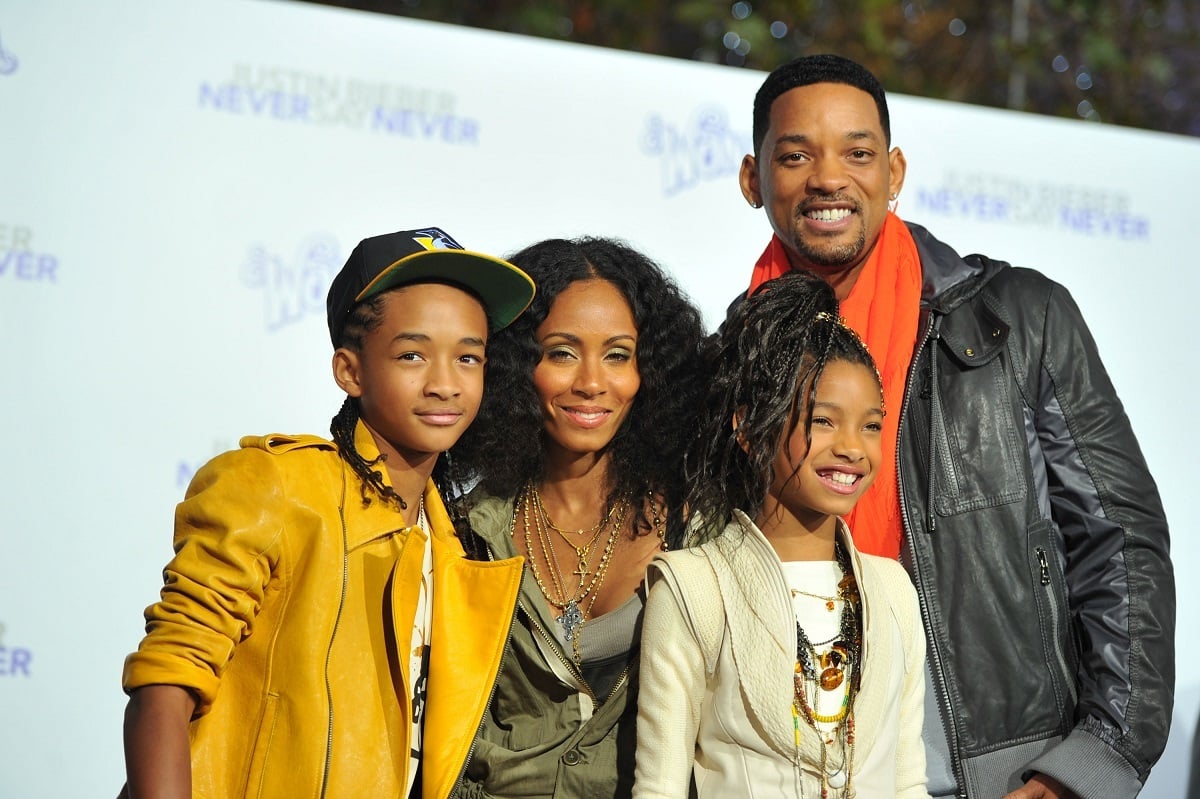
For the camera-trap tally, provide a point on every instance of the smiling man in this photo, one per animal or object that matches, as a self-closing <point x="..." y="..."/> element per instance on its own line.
<point x="1022" y="506"/>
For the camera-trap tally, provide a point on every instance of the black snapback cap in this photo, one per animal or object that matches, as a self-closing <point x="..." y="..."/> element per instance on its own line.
<point x="411" y="256"/>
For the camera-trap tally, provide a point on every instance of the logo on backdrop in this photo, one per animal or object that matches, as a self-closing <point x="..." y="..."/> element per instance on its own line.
<point x="21" y="260"/>
<point x="293" y="287"/>
<point x="291" y="95"/>
<point x="8" y="61"/>
<point x="1080" y="210"/>
<point x="185" y="470"/>
<point x="703" y="149"/>
<point x="15" y="661"/>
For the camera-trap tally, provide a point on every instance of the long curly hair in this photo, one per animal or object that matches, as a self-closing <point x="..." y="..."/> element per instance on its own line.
<point x="765" y="364"/>
<point x="506" y="446"/>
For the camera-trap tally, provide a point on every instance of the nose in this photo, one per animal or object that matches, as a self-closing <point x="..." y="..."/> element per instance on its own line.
<point x="441" y="380"/>
<point x="589" y="379"/>
<point x="848" y="444"/>
<point x="827" y="176"/>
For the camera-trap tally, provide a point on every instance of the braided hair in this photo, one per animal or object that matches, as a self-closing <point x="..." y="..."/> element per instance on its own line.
<point x="363" y="318"/>
<point x="766" y="363"/>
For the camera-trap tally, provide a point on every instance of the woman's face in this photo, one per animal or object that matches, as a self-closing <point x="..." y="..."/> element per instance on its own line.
<point x="587" y="377"/>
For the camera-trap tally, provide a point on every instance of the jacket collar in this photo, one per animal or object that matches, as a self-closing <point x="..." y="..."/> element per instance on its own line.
<point x="379" y="518"/>
<point x="492" y="520"/>
<point x="947" y="278"/>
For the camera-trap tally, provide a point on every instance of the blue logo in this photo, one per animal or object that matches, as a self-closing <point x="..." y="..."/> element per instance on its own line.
<point x="185" y="470"/>
<point x="291" y="95"/>
<point x="293" y="288"/>
<point x="704" y="149"/>
<point x="982" y="197"/>
<point x="15" y="661"/>
<point x="20" y="261"/>
<point x="8" y="62"/>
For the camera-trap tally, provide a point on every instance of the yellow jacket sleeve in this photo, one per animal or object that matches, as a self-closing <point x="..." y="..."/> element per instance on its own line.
<point x="228" y="548"/>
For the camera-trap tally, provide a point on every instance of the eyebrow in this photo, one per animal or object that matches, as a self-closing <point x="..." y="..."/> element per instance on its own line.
<point x="801" y="138"/>
<point x="574" y="339"/>
<point x="425" y="337"/>
<point x="836" y="407"/>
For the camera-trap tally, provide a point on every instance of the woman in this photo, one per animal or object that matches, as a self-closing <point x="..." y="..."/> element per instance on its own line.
<point x="578" y="447"/>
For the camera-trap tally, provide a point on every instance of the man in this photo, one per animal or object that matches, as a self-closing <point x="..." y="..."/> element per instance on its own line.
<point x="1027" y="517"/>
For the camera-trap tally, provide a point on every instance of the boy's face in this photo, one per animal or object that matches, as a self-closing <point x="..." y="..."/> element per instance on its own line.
<point x="419" y="376"/>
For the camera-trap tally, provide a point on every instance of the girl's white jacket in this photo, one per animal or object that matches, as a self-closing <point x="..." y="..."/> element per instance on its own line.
<point x="718" y="655"/>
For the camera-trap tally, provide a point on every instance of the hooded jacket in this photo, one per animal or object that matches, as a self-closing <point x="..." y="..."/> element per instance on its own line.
<point x="281" y="612"/>
<point x="1035" y="537"/>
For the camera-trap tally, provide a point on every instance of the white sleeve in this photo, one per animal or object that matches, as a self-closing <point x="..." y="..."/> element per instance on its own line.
<point x="910" y="749"/>
<point x="671" y="690"/>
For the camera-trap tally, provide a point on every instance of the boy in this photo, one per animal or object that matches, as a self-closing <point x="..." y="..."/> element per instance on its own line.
<point x="291" y="641"/>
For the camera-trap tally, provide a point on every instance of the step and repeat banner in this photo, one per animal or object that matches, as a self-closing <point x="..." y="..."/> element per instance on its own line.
<point x="180" y="180"/>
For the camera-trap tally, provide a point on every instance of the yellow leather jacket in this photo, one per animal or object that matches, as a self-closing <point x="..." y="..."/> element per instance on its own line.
<point x="281" y="612"/>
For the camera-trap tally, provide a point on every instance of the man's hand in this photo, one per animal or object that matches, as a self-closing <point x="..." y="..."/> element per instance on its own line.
<point x="1042" y="787"/>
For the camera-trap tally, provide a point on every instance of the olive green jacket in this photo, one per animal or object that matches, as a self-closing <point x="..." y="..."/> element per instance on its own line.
<point x="546" y="733"/>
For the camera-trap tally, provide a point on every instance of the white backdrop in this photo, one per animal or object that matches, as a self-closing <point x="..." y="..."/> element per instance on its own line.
<point x="179" y="180"/>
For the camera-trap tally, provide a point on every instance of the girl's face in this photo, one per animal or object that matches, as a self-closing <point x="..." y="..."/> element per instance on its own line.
<point x="825" y="478"/>
<point x="587" y="377"/>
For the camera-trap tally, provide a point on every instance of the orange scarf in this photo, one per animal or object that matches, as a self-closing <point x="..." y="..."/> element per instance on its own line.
<point x="884" y="308"/>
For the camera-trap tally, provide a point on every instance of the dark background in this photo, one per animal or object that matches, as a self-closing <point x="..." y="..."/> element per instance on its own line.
<point x="1115" y="61"/>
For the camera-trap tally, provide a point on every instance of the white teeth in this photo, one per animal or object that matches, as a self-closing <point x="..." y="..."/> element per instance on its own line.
<point x="843" y="478"/>
<point x="829" y="214"/>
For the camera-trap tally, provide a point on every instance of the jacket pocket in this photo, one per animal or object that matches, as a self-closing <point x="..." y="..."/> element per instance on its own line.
<point x="977" y="445"/>
<point x="1054" y="612"/>
<point x="259" y="757"/>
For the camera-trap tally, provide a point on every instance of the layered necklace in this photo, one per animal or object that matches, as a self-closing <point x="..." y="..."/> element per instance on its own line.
<point x="574" y="593"/>
<point x="826" y="670"/>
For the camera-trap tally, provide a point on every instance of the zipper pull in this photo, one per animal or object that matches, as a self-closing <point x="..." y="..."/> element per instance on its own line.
<point x="1045" y="567"/>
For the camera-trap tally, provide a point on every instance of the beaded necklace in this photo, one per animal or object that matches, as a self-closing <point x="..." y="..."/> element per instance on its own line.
<point x="844" y="653"/>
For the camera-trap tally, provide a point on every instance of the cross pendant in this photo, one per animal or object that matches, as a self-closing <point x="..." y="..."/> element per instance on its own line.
<point x="570" y="620"/>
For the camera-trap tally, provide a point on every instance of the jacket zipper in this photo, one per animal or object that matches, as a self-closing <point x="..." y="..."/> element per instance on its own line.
<point x="337" y="620"/>
<point x="1056" y="648"/>
<point x="949" y="727"/>
<point x="549" y="639"/>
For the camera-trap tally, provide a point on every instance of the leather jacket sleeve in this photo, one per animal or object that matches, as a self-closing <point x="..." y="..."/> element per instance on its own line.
<point x="1115" y="557"/>
<point x="226" y="535"/>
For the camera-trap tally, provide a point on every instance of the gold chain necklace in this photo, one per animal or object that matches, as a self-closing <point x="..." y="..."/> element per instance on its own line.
<point x="573" y="614"/>
<point x="830" y="601"/>
<point x="594" y="530"/>
<point x="582" y="553"/>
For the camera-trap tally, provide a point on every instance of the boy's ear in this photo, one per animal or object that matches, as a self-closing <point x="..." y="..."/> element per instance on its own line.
<point x="347" y="372"/>
<point x="738" y="415"/>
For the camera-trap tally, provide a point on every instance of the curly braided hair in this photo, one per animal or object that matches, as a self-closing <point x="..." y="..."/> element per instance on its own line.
<point x="766" y="363"/>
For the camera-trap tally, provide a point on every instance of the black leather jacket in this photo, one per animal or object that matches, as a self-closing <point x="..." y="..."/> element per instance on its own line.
<point x="1035" y="537"/>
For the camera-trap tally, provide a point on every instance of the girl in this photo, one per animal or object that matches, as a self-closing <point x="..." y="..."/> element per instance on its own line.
<point x="777" y="660"/>
<point x="579" y="446"/>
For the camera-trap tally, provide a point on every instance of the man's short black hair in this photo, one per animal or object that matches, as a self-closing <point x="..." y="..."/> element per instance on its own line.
<point x="810" y="69"/>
